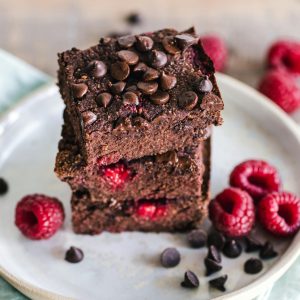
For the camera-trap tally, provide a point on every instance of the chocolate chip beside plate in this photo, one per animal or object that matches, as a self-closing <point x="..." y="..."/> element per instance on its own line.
<point x="205" y="85"/>
<point x="144" y="43"/>
<point x="103" y="99"/>
<point x="217" y="239"/>
<point x="190" y="280"/>
<point x="188" y="100"/>
<point x="119" y="70"/>
<point x="158" y="59"/>
<point x="211" y="266"/>
<point x="267" y="251"/>
<point x="130" y="98"/>
<point x="232" y="248"/>
<point x="167" y="82"/>
<point x="148" y="88"/>
<point x="128" y="56"/>
<point x="3" y="186"/>
<point x="253" y="266"/>
<point x="252" y="244"/>
<point x="197" y="238"/>
<point x="74" y="255"/>
<point x="219" y="283"/>
<point x="134" y="18"/>
<point x="88" y="118"/>
<point x="170" y="258"/>
<point x="126" y="41"/>
<point x="97" y="68"/>
<point x="214" y="254"/>
<point x="79" y="89"/>
<point x="160" y="98"/>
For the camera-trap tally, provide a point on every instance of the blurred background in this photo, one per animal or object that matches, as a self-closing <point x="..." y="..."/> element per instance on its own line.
<point x="36" y="30"/>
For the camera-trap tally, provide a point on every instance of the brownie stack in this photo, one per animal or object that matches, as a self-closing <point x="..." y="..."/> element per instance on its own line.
<point x="135" y="145"/>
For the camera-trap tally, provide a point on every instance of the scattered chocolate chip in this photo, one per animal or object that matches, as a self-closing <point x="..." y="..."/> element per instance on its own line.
<point x="197" y="238"/>
<point x="267" y="251"/>
<point x="158" y="59"/>
<point x="185" y="40"/>
<point x="253" y="266"/>
<point x="219" y="283"/>
<point x="169" y="45"/>
<point x="144" y="43"/>
<point x="217" y="239"/>
<point x="88" y="118"/>
<point x="214" y="254"/>
<point x="130" y="98"/>
<point x="148" y="88"/>
<point x="128" y="56"/>
<point x="133" y="18"/>
<point x="170" y="258"/>
<point x="103" y="99"/>
<point x="211" y="266"/>
<point x="97" y="68"/>
<point x="190" y="30"/>
<point x="167" y="82"/>
<point x="79" y="89"/>
<point x="205" y="85"/>
<point x="252" y="244"/>
<point x="190" y="280"/>
<point x="140" y="67"/>
<point x="150" y="74"/>
<point x="160" y="98"/>
<point x="232" y="248"/>
<point x="188" y="100"/>
<point x="126" y="41"/>
<point x="3" y="186"/>
<point x="118" y="87"/>
<point x="74" y="255"/>
<point x="119" y="70"/>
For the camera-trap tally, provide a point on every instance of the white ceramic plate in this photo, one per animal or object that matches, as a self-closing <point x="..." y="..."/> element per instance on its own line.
<point x="125" y="266"/>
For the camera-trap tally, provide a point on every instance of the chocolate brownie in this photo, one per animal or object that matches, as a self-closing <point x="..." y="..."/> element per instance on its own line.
<point x="137" y="96"/>
<point x="177" y="173"/>
<point x="157" y="215"/>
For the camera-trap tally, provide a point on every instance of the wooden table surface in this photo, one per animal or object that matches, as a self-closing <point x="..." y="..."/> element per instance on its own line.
<point x="35" y="30"/>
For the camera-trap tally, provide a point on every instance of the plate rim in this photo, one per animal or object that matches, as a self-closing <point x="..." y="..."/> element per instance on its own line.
<point x="254" y="288"/>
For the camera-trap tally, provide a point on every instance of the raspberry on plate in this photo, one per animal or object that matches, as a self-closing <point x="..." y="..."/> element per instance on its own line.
<point x="279" y="213"/>
<point x="256" y="177"/>
<point x="216" y="49"/>
<point x="282" y="88"/>
<point x="39" y="216"/>
<point x="232" y="212"/>
<point x="284" y="55"/>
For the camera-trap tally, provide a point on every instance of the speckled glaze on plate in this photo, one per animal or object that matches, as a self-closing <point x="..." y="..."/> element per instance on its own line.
<point x="126" y="266"/>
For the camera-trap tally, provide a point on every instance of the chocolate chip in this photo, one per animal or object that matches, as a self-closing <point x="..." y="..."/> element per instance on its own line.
<point x="126" y="41"/>
<point x="97" y="68"/>
<point x="132" y="88"/>
<point x="133" y="18"/>
<point x="214" y="254"/>
<point x="217" y="239"/>
<point x="103" y="99"/>
<point x="130" y="98"/>
<point x="88" y="118"/>
<point x="267" y="251"/>
<point x="252" y="244"/>
<point x="232" y="248"/>
<point x="148" y="88"/>
<point x="128" y="56"/>
<point x="253" y="266"/>
<point x="3" y="186"/>
<point x="205" y="85"/>
<point x="74" y="255"/>
<point x="169" y="45"/>
<point x="119" y="70"/>
<point x="167" y="82"/>
<point x="197" y="238"/>
<point x="118" y="87"/>
<point x="140" y="67"/>
<point x="211" y="266"/>
<point x="105" y="40"/>
<point x="185" y="40"/>
<point x="188" y="100"/>
<point x="190" y="280"/>
<point x="144" y="43"/>
<point x="158" y="59"/>
<point x="170" y="258"/>
<point x="219" y="283"/>
<point x="190" y="30"/>
<point x="150" y="74"/>
<point x="160" y="98"/>
<point x="79" y="89"/>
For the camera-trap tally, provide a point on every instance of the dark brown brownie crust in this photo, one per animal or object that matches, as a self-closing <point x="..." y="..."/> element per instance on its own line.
<point x="169" y="175"/>
<point x="118" y="125"/>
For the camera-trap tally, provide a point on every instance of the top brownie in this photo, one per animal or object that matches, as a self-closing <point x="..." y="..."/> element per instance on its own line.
<point x="141" y="95"/>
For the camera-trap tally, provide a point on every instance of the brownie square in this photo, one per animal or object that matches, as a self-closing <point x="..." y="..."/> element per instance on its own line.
<point x="137" y="96"/>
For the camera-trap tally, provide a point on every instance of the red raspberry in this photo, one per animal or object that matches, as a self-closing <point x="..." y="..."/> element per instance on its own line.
<point x="151" y="210"/>
<point x="285" y="55"/>
<point x="216" y="49"/>
<point x="232" y="212"/>
<point x="256" y="177"/>
<point x="282" y="88"/>
<point x="279" y="213"/>
<point x="38" y="216"/>
<point x="116" y="175"/>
